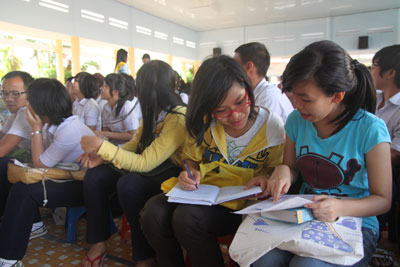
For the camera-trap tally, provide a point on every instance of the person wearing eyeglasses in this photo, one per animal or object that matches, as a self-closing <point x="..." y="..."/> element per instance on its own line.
<point x="16" y="131"/>
<point x="56" y="134"/>
<point x="385" y="71"/>
<point x="234" y="142"/>
<point x="15" y="142"/>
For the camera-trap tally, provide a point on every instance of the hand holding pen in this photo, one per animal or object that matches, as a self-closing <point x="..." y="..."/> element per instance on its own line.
<point x="189" y="179"/>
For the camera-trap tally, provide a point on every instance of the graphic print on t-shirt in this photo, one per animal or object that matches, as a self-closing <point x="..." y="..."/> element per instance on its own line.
<point x="325" y="173"/>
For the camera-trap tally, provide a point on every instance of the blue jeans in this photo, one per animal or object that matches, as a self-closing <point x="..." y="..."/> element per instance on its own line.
<point x="277" y="257"/>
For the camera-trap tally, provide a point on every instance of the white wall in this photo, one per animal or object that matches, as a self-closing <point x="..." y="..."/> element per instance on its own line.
<point x="32" y="14"/>
<point x="285" y="39"/>
<point x="281" y="39"/>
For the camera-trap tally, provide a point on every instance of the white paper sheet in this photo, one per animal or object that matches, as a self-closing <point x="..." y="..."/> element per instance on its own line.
<point x="285" y="202"/>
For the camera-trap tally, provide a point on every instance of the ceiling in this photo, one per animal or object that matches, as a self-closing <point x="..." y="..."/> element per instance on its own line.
<point x="206" y="15"/>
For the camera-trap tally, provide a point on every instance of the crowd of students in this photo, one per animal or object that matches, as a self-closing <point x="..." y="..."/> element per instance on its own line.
<point x="233" y="128"/>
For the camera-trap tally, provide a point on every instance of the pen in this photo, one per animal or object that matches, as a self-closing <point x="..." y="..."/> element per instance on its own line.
<point x="190" y="173"/>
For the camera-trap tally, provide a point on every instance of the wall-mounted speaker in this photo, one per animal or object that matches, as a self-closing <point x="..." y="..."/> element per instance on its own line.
<point x="362" y="42"/>
<point x="217" y="51"/>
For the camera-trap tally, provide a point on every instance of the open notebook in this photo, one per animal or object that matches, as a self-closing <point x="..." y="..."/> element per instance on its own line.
<point x="210" y="194"/>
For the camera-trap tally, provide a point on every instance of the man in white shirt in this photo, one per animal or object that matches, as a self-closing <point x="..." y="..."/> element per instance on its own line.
<point x="16" y="131"/>
<point x="255" y="60"/>
<point x="385" y="71"/>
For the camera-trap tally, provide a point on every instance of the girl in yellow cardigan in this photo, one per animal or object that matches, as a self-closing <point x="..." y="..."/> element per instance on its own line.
<point x="152" y="156"/>
<point x="233" y="142"/>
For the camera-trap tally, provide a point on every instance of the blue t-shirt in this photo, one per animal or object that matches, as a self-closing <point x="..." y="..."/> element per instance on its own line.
<point x="337" y="165"/>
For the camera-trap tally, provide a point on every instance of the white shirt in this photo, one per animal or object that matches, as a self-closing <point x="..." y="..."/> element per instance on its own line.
<point x="236" y="145"/>
<point x="101" y="102"/>
<point x="125" y="121"/>
<point x="390" y="113"/>
<point x="62" y="142"/>
<point x="18" y="125"/>
<point x="88" y="111"/>
<point x="184" y="97"/>
<point x="268" y="95"/>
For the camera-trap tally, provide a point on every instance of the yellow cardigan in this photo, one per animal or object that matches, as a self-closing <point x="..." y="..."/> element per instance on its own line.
<point x="171" y="136"/>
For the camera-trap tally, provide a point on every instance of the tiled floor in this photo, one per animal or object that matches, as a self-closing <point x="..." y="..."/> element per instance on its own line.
<point x="53" y="250"/>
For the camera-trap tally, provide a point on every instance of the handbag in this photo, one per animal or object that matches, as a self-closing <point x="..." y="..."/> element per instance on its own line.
<point x="29" y="175"/>
<point x="339" y="242"/>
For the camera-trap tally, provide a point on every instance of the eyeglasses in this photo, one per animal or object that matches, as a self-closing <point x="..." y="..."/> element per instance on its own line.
<point x="223" y="114"/>
<point x="14" y="94"/>
<point x="374" y="64"/>
<point x="74" y="80"/>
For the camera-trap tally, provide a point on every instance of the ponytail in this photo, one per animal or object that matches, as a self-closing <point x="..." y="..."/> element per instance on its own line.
<point x="334" y="71"/>
<point x="364" y="92"/>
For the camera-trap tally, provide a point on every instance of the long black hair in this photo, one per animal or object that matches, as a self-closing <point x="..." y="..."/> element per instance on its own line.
<point x="122" y="55"/>
<point x="117" y="82"/>
<point x="48" y="97"/>
<point x="155" y="84"/>
<point x="88" y="84"/>
<point x="334" y="71"/>
<point x="211" y="85"/>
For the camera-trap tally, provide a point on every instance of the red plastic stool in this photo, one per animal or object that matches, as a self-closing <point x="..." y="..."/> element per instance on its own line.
<point x="125" y="229"/>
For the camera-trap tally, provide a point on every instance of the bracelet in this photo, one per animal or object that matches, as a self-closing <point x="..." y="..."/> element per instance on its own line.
<point x="36" y="132"/>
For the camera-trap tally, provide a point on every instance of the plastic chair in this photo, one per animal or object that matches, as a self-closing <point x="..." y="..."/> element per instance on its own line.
<point x="73" y="215"/>
<point x="223" y="241"/>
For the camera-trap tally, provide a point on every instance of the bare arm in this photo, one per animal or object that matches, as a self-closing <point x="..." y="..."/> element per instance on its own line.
<point x="284" y="175"/>
<point x="37" y="140"/>
<point x="121" y="136"/>
<point x="8" y="142"/>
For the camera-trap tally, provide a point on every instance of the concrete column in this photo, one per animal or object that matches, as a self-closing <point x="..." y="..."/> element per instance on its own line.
<point x="195" y="67"/>
<point x="170" y="60"/>
<point x="76" y="54"/>
<point x="131" y="60"/>
<point x="184" y="71"/>
<point x="60" y="65"/>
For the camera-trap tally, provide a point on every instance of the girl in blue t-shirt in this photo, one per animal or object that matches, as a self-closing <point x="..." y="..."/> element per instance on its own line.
<point x="335" y="143"/>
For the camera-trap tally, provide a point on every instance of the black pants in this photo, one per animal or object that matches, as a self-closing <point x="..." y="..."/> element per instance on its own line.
<point x="22" y="208"/>
<point x="133" y="190"/>
<point x="168" y="226"/>
<point x="5" y="185"/>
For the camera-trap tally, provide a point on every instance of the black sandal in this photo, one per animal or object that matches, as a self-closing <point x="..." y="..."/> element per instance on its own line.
<point x="382" y="258"/>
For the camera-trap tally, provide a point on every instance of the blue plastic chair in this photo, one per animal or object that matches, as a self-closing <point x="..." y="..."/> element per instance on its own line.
<point x="71" y="221"/>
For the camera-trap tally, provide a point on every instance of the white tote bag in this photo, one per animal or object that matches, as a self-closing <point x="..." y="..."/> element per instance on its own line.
<point x="340" y="242"/>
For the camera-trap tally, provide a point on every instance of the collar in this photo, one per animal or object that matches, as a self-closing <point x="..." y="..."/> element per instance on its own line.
<point x="260" y="84"/>
<point x="53" y="128"/>
<point x="395" y="99"/>
<point x="83" y="101"/>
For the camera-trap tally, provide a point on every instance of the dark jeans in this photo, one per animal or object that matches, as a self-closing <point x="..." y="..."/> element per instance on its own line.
<point x="5" y="187"/>
<point x="99" y="187"/>
<point x="134" y="190"/>
<point x="170" y="226"/>
<point x="22" y="207"/>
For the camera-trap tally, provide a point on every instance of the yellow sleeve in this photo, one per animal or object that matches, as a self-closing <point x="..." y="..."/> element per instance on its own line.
<point x="132" y="144"/>
<point x="171" y="137"/>
<point x="192" y="151"/>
